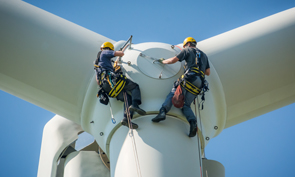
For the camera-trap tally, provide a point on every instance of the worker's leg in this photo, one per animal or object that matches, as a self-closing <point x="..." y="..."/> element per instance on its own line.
<point x="133" y="88"/>
<point x="189" y="98"/>
<point x="126" y="98"/>
<point x="166" y="106"/>
<point x="189" y="114"/>
<point x="187" y="111"/>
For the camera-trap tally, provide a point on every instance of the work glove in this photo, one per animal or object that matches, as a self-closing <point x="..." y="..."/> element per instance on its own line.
<point x="160" y="60"/>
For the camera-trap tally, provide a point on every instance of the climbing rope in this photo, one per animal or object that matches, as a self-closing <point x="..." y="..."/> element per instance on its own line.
<point x="199" y="111"/>
<point x="200" y="157"/>
<point x="200" y="150"/>
<point x="131" y="135"/>
<point x="127" y="110"/>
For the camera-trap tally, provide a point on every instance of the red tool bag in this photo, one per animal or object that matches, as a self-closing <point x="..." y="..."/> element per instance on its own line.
<point x="178" y="98"/>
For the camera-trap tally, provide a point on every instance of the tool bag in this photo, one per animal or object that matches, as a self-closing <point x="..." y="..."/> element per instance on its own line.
<point x="184" y="81"/>
<point x="178" y="98"/>
<point x="103" y="97"/>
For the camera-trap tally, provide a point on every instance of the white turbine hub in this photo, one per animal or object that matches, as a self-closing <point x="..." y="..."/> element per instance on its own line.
<point x="152" y="51"/>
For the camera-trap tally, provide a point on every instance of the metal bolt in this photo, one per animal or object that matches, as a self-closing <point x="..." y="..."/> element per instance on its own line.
<point x="129" y="63"/>
<point x="101" y="133"/>
<point x="215" y="127"/>
<point x="207" y="138"/>
<point x="92" y="122"/>
<point x="172" y="46"/>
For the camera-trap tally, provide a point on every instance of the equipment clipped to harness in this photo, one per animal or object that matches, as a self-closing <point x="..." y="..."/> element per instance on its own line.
<point x="113" y="85"/>
<point x="178" y="98"/>
<point x="103" y="97"/>
<point x="112" y="116"/>
<point x="204" y="90"/>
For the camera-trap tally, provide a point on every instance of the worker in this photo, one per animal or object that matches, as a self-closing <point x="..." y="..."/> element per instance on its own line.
<point x="196" y="67"/>
<point x="108" y="79"/>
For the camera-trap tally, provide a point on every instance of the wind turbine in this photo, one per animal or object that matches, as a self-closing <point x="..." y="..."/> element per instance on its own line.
<point x="48" y="47"/>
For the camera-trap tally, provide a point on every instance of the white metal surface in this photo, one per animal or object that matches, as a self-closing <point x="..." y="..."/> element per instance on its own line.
<point x="85" y="164"/>
<point x="58" y="133"/>
<point x="155" y="149"/>
<point x="151" y="68"/>
<point x="154" y="91"/>
<point x="212" y="168"/>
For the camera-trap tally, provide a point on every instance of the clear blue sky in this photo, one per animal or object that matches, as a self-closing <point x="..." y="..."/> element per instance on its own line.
<point x="263" y="146"/>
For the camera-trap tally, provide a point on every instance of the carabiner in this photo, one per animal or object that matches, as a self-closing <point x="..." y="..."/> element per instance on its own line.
<point x="113" y="120"/>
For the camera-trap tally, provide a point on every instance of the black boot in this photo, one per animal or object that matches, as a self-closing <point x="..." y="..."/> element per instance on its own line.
<point x="193" y="128"/>
<point x="161" y="116"/>
<point x="135" y="108"/>
<point x="124" y="122"/>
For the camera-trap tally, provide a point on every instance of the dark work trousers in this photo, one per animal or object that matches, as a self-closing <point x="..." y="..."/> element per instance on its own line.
<point x="133" y="95"/>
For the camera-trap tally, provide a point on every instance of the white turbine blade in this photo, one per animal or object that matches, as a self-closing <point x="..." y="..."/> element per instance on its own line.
<point x="45" y="59"/>
<point x="256" y="66"/>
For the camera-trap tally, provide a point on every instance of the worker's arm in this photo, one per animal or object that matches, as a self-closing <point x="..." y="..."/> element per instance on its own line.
<point x="207" y="71"/>
<point x="170" y="60"/>
<point x="119" y="54"/>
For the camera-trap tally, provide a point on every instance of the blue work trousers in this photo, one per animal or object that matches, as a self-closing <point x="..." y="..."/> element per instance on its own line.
<point x="188" y="99"/>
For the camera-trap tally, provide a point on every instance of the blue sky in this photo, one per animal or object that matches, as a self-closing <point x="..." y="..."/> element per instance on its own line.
<point x="263" y="146"/>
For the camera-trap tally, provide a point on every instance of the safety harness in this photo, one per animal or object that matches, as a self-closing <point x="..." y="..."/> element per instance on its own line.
<point x="186" y="80"/>
<point x="121" y="81"/>
<point x="188" y="85"/>
<point x="111" y="83"/>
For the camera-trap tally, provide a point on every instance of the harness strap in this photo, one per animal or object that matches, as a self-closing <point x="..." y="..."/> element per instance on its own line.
<point x="121" y="82"/>
<point x="102" y="77"/>
<point x="190" y="87"/>
<point x="96" y="66"/>
<point x="132" y="135"/>
<point x="198" y="72"/>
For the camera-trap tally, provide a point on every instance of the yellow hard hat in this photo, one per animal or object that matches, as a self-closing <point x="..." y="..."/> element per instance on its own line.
<point x="188" y="39"/>
<point x="107" y="45"/>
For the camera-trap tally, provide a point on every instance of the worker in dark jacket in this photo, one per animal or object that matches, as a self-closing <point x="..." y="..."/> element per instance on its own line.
<point x="106" y="68"/>
<point x="196" y="67"/>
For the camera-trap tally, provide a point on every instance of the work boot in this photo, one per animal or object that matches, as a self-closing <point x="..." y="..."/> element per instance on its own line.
<point x="136" y="108"/>
<point x="161" y="116"/>
<point x="124" y="122"/>
<point x="193" y="128"/>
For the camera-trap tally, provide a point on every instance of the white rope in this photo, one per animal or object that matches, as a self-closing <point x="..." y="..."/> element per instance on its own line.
<point x="132" y="136"/>
<point x="200" y="121"/>
<point x="200" y="149"/>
